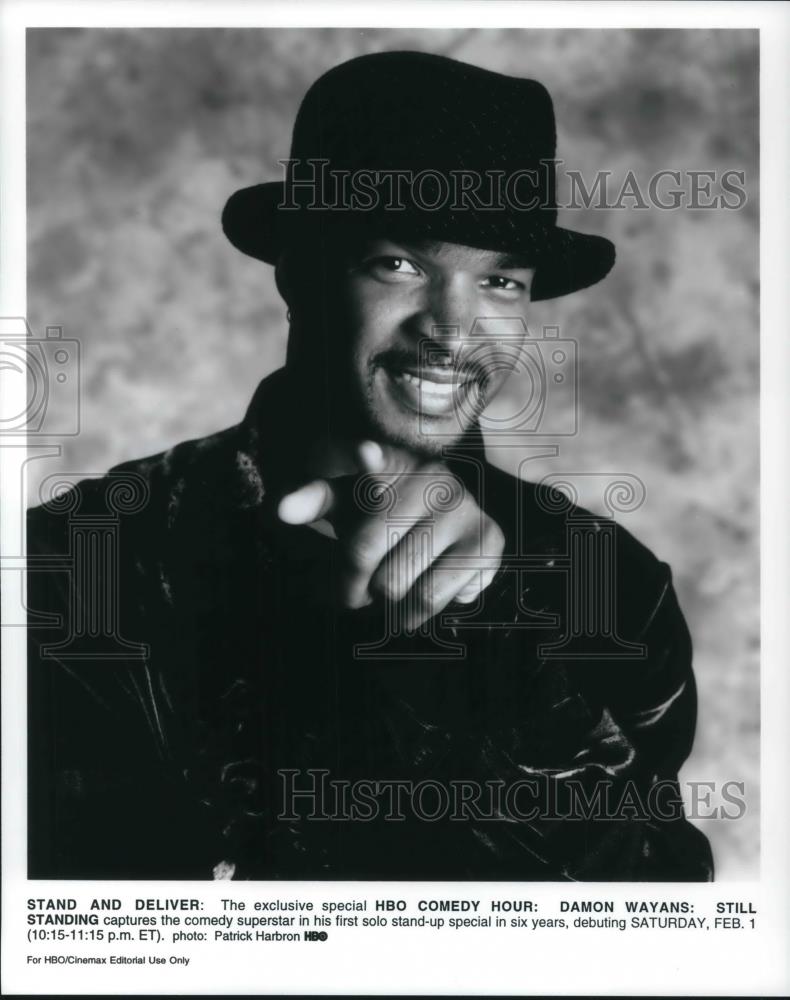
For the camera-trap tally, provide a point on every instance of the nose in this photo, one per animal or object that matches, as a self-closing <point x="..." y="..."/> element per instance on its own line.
<point x="447" y="311"/>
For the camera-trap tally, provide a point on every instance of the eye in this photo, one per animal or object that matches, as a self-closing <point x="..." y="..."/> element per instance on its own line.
<point x="388" y="268"/>
<point x="500" y="283"/>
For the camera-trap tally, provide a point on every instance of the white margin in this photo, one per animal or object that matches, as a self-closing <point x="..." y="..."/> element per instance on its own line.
<point x="732" y="965"/>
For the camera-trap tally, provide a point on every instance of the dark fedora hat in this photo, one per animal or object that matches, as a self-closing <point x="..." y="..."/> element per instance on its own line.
<point x="419" y="145"/>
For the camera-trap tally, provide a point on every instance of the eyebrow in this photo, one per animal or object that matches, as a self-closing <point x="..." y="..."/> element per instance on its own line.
<point x="503" y="261"/>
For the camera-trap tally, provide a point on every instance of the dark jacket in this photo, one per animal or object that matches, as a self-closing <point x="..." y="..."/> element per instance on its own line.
<point x="194" y="667"/>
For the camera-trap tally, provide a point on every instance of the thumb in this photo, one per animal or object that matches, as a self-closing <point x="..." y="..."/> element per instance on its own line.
<point x="371" y="457"/>
<point x="307" y="504"/>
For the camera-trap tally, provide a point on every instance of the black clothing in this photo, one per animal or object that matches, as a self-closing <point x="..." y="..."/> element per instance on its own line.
<point x="200" y="655"/>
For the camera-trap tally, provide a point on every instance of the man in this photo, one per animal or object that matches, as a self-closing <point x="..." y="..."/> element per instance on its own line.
<point x="334" y="641"/>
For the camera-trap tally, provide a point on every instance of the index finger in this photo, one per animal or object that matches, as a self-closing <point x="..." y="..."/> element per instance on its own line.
<point x="309" y="503"/>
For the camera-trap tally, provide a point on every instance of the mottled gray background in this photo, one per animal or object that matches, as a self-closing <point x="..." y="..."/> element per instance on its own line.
<point x="136" y="138"/>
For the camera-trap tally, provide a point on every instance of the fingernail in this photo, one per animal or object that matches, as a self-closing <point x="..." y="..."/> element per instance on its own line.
<point x="283" y="510"/>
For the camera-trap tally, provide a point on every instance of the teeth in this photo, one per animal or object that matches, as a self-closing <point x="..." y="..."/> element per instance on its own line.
<point x="445" y="388"/>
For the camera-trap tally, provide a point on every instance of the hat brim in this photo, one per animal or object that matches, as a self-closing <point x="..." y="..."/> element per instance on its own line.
<point x="565" y="260"/>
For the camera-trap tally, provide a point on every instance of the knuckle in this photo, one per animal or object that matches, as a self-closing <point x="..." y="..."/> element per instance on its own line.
<point x="390" y="589"/>
<point x="457" y="491"/>
<point x="425" y="594"/>
<point x="360" y="551"/>
<point x="430" y="593"/>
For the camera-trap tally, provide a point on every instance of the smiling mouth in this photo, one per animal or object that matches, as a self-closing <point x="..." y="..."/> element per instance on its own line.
<point x="432" y="391"/>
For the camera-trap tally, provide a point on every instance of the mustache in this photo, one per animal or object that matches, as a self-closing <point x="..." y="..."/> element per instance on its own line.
<point x="432" y="357"/>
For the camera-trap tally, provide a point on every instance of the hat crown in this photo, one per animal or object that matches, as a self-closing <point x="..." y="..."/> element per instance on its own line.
<point x="417" y="111"/>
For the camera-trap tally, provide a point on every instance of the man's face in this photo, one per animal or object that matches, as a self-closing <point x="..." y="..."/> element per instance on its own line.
<point x="429" y="334"/>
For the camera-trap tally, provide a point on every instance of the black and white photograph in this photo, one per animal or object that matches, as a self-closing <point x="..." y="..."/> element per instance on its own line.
<point x="392" y="488"/>
<point x="339" y="638"/>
